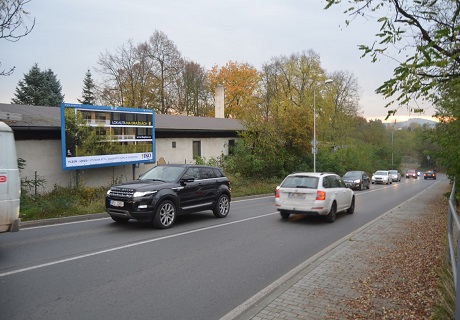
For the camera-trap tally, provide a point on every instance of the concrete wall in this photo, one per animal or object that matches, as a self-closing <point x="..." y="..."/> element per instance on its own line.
<point x="183" y="152"/>
<point x="44" y="162"/>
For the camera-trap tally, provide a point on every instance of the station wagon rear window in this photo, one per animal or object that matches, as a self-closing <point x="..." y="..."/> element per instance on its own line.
<point x="300" y="182"/>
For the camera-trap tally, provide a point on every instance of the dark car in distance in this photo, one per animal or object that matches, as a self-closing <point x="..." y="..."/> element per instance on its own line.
<point x="166" y="191"/>
<point x="429" y="175"/>
<point x="356" y="180"/>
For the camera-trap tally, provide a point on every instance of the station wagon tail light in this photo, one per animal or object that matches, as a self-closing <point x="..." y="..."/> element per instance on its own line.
<point x="277" y="192"/>
<point x="320" y="195"/>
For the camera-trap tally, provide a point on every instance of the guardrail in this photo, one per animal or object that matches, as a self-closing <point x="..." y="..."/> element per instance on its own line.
<point x="454" y="248"/>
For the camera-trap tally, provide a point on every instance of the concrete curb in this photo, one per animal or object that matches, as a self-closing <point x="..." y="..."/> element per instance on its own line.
<point x="94" y="216"/>
<point x="46" y="222"/>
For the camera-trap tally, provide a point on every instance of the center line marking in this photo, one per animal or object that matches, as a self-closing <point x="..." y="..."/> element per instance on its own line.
<point x="129" y="245"/>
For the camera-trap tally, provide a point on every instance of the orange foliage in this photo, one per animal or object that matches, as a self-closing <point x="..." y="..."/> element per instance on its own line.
<point x="240" y="80"/>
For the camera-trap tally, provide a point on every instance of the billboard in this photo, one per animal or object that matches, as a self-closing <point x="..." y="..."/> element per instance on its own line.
<point x="101" y="136"/>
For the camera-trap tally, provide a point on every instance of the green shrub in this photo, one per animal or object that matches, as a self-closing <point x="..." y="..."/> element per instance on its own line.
<point x="62" y="202"/>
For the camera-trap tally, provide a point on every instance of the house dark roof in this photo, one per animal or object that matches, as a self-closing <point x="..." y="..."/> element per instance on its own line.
<point x="49" y="118"/>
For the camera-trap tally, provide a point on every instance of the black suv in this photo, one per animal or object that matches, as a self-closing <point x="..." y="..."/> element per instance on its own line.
<point x="169" y="190"/>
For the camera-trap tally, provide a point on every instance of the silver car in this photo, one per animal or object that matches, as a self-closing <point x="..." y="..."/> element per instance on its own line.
<point x="381" y="176"/>
<point x="395" y="175"/>
<point x="310" y="193"/>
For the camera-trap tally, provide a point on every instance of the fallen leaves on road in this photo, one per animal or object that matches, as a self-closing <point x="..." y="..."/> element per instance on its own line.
<point x="402" y="274"/>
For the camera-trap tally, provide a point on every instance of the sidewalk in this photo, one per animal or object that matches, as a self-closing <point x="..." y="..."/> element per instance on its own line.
<point x="324" y="286"/>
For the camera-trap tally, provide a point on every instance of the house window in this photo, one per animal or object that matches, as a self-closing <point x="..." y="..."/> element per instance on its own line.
<point x="100" y="117"/>
<point x="143" y="118"/>
<point x="86" y="115"/>
<point x="117" y="133"/>
<point x="130" y="117"/>
<point x="196" y="149"/>
<point x="231" y="146"/>
<point x="174" y="144"/>
<point x="116" y="116"/>
<point x="101" y="131"/>
<point x="142" y="131"/>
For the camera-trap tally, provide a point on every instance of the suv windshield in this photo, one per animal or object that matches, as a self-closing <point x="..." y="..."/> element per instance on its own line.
<point x="381" y="173"/>
<point x="300" y="182"/>
<point x="163" y="173"/>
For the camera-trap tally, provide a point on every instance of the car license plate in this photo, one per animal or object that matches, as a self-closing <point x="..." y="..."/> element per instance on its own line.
<point x="115" y="203"/>
<point x="296" y="195"/>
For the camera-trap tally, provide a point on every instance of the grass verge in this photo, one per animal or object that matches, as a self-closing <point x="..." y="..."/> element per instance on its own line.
<point x="64" y="202"/>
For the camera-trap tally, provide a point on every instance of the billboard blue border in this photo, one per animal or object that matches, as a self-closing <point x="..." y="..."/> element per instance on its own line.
<point x="151" y="159"/>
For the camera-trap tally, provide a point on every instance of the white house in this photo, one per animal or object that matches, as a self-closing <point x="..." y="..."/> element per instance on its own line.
<point x="179" y="139"/>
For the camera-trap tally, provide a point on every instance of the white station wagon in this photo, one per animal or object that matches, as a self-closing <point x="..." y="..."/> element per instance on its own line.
<point x="310" y="193"/>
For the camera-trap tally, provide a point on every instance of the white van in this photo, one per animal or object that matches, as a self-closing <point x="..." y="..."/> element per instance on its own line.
<point x="10" y="182"/>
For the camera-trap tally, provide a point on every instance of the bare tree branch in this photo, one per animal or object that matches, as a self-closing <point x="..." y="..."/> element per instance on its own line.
<point x="15" y="23"/>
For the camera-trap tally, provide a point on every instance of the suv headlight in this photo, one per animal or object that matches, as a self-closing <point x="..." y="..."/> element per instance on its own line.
<point x="138" y="194"/>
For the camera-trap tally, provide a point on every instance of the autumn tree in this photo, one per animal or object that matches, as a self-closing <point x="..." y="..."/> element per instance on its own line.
<point x="422" y="35"/>
<point x="345" y="95"/>
<point x="279" y="121"/>
<point x="289" y="86"/>
<point x="447" y="133"/>
<point x="240" y="81"/>
<point x="15" y="23"/>
<point x="39" y="88"/>
<point x="425" y="36"/>
<point x="88" y="94"/>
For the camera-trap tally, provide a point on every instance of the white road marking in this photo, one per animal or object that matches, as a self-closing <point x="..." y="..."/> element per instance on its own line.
<point x="146" y="241"/>
<point x="129" y="246"/>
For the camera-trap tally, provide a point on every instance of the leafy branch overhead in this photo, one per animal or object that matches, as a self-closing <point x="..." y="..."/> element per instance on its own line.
<point x="425" y="34"/>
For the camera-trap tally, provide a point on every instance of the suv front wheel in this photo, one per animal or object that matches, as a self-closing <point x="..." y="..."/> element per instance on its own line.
<point x="165" y="216"/>
<point x="222" y="206"/>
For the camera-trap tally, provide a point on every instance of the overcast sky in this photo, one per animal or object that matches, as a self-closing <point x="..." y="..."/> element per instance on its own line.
<point x="69" y="36"/>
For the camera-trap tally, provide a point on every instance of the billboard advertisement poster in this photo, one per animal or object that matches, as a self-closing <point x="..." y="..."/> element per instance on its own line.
<point x="101" y="136"/>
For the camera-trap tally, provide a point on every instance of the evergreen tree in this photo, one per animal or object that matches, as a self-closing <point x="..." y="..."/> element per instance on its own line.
<point x="55" y="97"/>
<point x="39" y="88"/>
<point x="88" y="96"/>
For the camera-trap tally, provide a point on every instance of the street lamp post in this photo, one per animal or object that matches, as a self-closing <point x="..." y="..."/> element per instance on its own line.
<point x="393" y="148"/>
<point x="315" y="143"/>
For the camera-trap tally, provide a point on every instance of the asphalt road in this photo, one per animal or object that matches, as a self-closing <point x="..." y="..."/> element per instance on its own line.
<point x="200" y="269"/>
